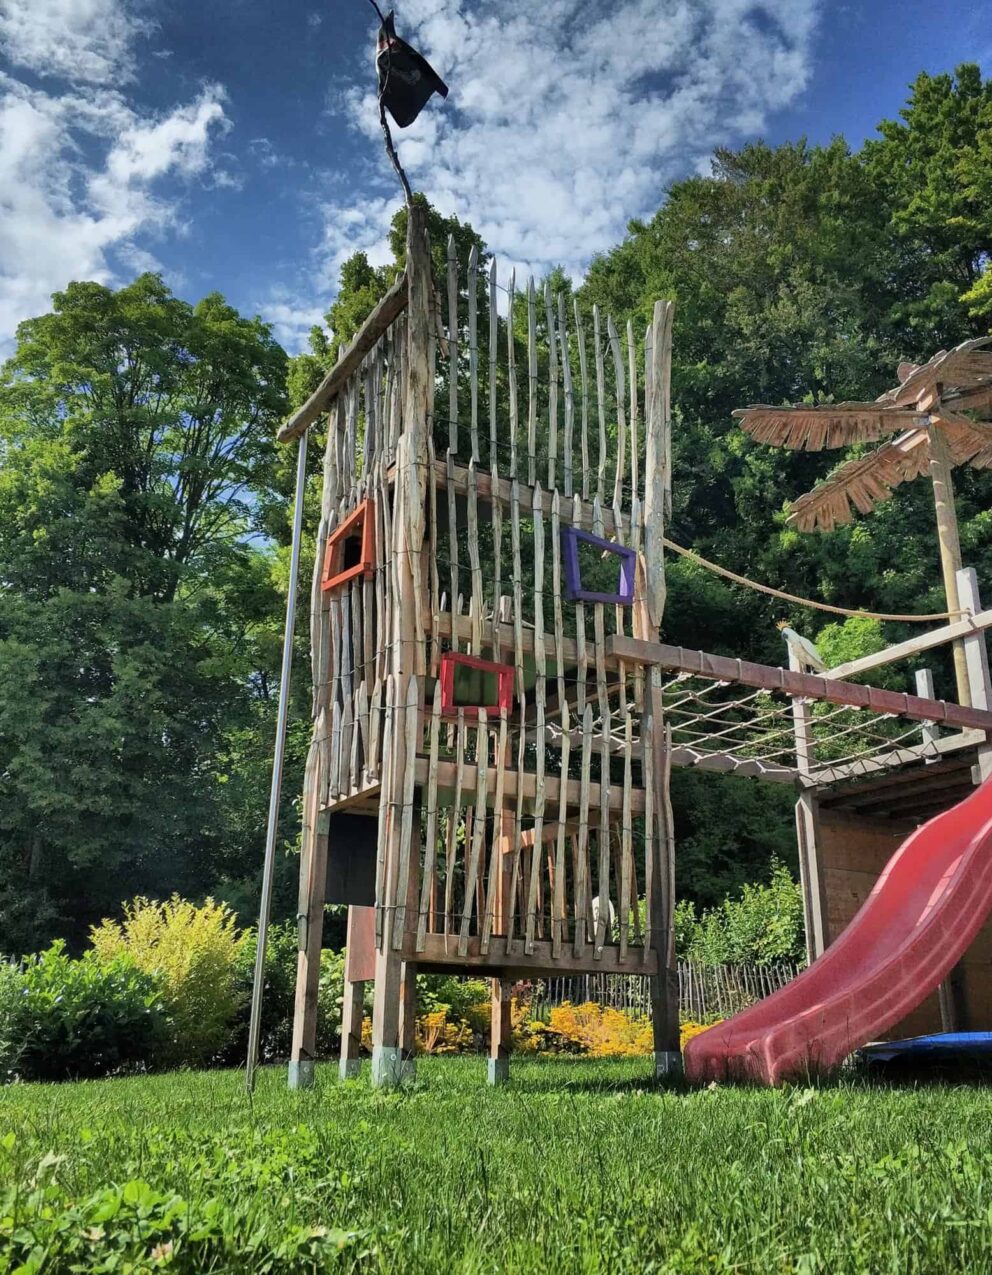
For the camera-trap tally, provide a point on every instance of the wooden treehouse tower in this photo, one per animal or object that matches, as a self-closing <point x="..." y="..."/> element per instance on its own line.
<point x="487" y="784"/>
<point x="495" y="715"/>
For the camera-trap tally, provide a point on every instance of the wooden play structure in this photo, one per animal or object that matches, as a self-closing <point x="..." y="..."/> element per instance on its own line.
<point x="495" y="716"/>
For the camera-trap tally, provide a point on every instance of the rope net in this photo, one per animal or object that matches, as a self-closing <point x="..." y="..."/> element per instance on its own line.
<point x="732" y="728"/>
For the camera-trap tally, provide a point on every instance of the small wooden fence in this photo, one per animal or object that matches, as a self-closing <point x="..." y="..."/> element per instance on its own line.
<point x="705" y="991"/>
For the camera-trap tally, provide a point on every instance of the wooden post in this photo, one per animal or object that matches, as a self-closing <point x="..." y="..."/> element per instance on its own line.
<point x="400" y="877"/>
<point x="359" y="967"/>
<point x="947" y="537"/>
<point x="660" y="871"/>
<point x="924" y="688"/>
<point x="807" y="810"/>
<point x="499" y="1033"/>
<point x="310" y="927"/>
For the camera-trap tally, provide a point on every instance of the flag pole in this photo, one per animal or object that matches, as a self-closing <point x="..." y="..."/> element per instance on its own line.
<point x="268" y="872"/>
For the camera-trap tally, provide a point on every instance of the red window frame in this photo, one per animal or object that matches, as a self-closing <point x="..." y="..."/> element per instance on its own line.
<point x="504" y="674"/>
<point x="360" y="519"/>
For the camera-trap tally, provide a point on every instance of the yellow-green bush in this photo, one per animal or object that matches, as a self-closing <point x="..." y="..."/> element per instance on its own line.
<point x="195" y="952"/>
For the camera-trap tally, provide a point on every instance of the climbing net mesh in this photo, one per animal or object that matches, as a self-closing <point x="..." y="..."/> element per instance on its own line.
<point x="730" y="727"/>
<point x="753" y="731"/>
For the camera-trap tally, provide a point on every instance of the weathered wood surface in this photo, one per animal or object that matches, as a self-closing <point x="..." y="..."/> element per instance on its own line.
<point x="724" y="668"/>
<point x="349" y="361"/>
<point x="509" y="957"/>
<point x="913" y="646"/>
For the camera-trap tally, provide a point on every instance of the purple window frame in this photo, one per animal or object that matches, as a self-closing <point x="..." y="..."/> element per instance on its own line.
<point x="570" y="537"/>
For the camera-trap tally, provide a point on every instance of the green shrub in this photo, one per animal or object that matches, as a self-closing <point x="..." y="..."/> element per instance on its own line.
<point x="763" y="925"/>
<point x="277" y="998"/>
<point x="12" y="1019"/>
<point x="61" y="1017"/>
<point x="196" y="952"/>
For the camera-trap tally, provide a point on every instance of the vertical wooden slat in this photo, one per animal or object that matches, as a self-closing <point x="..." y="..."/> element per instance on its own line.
<point x="474" y="854"/>
<point x="600" y="403"/>
<point x="451" y="856"/>
<point x="582" y="869"/>
<point x="549" y="318"/>
<point x="626" y="848"/>
<point x="493" y="339"/>
<point x="430" y="836"/>
<point x="473" y="346"/>
<point x="559" y="917"/>
<point x="435" y="582"/>
<point x="407" y="869"/>
<point x="566" y="374"/>
<point x="634" y="409"/>
<point x="532" y="383"/>
<point x="475" y="561"/>
<point x="456" y="587"/>
<point x="619" y="381"/>
<point x="580" y="338"/>
<point x="559" y="624"/>
<point x="511" y="375"/>
<point x="452" y="345"/>
<point x="494" y="889"/>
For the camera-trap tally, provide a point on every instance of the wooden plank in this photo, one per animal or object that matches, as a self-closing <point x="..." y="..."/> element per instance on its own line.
<point x="473" y="855"/>
<point x="473" y="348"/>
<point x="582" y="899"/>
<point x="452" y="345"/>
<point x="491" y="489"/>
<point x="914" y="646"/>
<point x="600" y="401"/>
<point x="618" y="375"/>
<point x="580" y="338"/>
<point x="634" y="417"/>
<point x="430" y="837"/>
<point x="406" y="877"/>
<point x="566" y="373"/>
<point x="511" y="375"/>
<point x="525" y="783"/>
<point x="508" y="957"/>
<point x="493" y="893"/>
<point x="531" y="383"/>
<point x="493" y="342"/>
<point x="349" y="361"/>
<point x="552" y="385"/>
<point x="724" y="668"/>
<point x="559" y="916"/>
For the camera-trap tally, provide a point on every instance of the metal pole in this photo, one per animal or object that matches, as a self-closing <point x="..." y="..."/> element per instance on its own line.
<point x="268" y="872"/>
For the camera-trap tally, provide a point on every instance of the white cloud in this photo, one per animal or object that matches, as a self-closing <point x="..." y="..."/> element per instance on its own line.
<point x="82" y="171"/>
<point x="568" y="118"/>
<point x="291" y="318"/>
<point x="86" y="41"/>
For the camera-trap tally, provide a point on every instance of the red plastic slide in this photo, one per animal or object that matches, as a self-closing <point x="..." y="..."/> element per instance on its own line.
<point x="922" y="915"/>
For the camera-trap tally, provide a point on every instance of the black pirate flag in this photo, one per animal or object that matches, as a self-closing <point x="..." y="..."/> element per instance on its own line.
<point x="406" y="79"/>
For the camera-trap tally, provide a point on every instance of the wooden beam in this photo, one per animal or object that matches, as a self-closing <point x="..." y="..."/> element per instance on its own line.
<point x="914" y="646"/>
<point x="440" y="954"/>
<point x="898" y="757"/>
<point x="491" y="491"/>
<point x="349" y="361"/>
<point x="446" y="771"/>
<point x="724" y="668"/>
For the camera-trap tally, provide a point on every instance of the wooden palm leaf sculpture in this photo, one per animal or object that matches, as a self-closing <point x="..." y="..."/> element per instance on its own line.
<point x="923" y="419"/>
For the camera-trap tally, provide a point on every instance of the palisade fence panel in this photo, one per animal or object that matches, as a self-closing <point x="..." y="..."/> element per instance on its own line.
<point x="705" y="991"/>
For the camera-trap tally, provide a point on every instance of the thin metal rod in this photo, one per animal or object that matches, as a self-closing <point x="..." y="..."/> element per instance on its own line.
<point x="258" y="982"/>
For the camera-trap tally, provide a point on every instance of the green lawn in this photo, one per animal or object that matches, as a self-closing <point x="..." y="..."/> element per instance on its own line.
<point x="579" y="1166"/>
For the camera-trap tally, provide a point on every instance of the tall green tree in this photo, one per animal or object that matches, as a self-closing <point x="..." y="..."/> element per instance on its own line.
<point x="137" y="433"/>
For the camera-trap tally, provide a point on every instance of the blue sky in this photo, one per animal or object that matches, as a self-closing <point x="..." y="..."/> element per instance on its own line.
<point x="233" y="144"/>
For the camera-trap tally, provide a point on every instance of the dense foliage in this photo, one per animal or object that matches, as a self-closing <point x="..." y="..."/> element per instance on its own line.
<point x="763" y="925"/>
<point x="144" y="507"/>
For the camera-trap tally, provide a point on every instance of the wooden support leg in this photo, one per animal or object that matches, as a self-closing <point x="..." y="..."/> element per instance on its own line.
<point x="389" y="1067"/>
<point x="352" y="1010"/>
<point x="310" y="927"/>
<point x="408" y="1017"/>
<point x="499" y="1032"/>
<point x="665" y="1021"/>
<point x="811" y="877"/>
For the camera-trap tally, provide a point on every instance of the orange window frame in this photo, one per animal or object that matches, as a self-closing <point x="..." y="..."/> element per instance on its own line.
<point x="360" y="521"/>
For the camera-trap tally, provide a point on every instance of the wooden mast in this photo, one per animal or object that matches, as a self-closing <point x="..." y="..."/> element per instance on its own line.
<point x="947" y="537"/>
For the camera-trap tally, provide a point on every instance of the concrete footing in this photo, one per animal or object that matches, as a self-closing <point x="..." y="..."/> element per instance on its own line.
<point x="389" y="1067"/>
<point x="667" y="1064"/>
<point x="301" y="1074"/>
<point x="498" y="1071"/>
<point x="349" y="1068"/>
